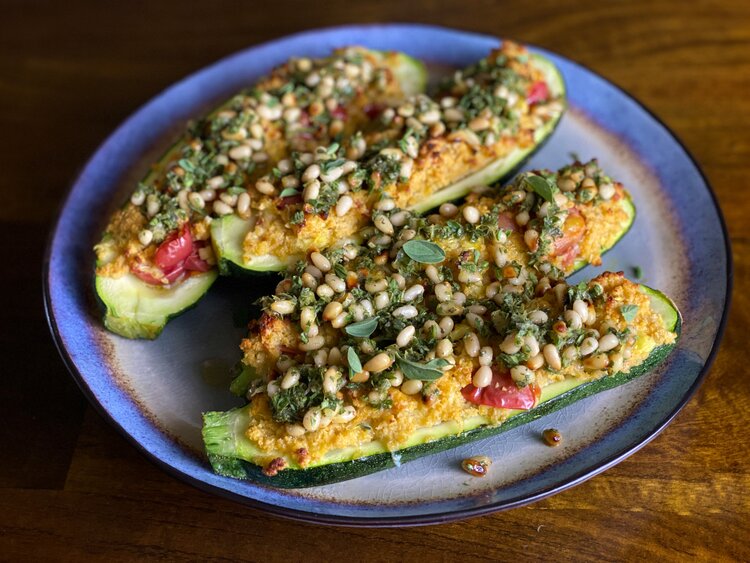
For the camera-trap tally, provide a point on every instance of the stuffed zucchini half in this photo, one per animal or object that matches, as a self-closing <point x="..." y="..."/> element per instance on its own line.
<point x="437" y="330"/>
<point x="155" y="258"/>
<point x="480" y="126"/>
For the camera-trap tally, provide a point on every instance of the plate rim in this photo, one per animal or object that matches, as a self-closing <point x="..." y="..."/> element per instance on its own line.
<point x="389" y="521"/>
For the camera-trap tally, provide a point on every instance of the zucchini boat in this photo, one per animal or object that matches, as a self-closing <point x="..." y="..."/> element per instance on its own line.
<point x="436" y="330"/>
<point x="157" y="242"/>
<point x="479" y="127"/>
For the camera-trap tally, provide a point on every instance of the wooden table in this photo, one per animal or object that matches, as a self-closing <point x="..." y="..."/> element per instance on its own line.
<point x="72" y="488"/>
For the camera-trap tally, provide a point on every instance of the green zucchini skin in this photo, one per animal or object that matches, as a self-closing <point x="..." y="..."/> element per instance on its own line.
<point x="119" y="308"/>
<point x="229" y="254"/>
<point x="341" y="471"/>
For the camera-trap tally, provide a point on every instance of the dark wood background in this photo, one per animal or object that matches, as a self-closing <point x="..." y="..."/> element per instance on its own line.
<point x="72" y="489"/>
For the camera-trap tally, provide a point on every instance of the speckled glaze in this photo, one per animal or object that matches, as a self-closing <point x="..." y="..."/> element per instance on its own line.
<point x="154" y="392"/>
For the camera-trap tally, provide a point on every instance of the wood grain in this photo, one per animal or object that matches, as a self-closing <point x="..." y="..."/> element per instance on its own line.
<point x="72" y="489"/>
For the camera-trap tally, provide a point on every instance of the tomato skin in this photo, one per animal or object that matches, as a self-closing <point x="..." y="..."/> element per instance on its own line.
<point x="506" y="221"/>
<point x="175" y="249"/>
<point x="174" y="258"/>
<point x="567" y="246"/>
<point x="194" y="263"/>
<point x="538" y="92"/>
<point x="503" y="393"/>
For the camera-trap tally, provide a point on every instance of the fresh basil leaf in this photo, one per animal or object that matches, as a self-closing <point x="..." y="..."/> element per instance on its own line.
<point x="288" y="192"/>
<point x="542" y="187"/>
<point x="362" y="329"/>
<point x="628" y="312"/>
<point x="355" y="365"/>
<point x="424" y="251"/>
<point x="429" y="371"/>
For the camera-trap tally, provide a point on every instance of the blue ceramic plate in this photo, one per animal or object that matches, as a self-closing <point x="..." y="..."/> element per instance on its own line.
<point x="154" y="392"/>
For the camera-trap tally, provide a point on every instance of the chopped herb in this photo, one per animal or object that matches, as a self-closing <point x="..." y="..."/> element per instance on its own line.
<point x="542" y="187"/>
<point x="429" y="371"/>
<point x="362" y="329"/>
<point x="288" y="192"/>
<point x="355" y="365"/>
<point x="637" y="272"/>
<point x="629" y="312"/>
<point x="424" y="252"/>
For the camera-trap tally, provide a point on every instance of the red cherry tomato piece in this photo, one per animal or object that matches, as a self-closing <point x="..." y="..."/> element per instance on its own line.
<point x="507" y="221"/>
<point x="150" y="274"/>
<point x="502" y="393"/>
<point x="339" y="112"/>
<point x="567" y="246"/>
<point x="194" y="262"/>
<point x="538" y="92"/>
<point x="174" y="250"/>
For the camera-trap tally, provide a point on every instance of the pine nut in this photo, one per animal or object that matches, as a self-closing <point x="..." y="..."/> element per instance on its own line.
<point x="313" y="343"/>
<point x="346" y="415"/>
<point x="608" y="342"/>
<point x="400" y="218"/>
<point x="405" y="336"/>
<point x="138" y="198"/>
<point x="449" y="308"/>
<point x="471" y="214"/>
<point x="337" y="284"/>
<point x="222" y="208"/>
<point x="538" y="317"/>
<point x="582" y="308"/>
<point x="572" y="319"/>
<point x="597" y="361"/>
<point x="295" y="430"/>
<point x="446" y="326"/>
<point x="311" y="420"/>
<point x="243" y="203"/>
<point x="312" y="190"/>
<point x="383" y="224"/>
<point x="272" y="387"/>
<point x="471" y="344"/>
<point x="283" y="307"/>
<point x="375" y="286"/>
<point x="320" y="261"/>
<point x="522" y="374"/>
<point x="485" y="356"/>
<point x="552" y="356"/>
<point x="523" y="218"/>
<point x="382" y="300"/>
<point x="145" y="237"/>
<point x="532" y="344"/>
<point x="448" y="210"/>
<point x="290" y="379"/>
<point x="386" y="204"/>
<point x="343" y="205"/>
<point x="606" y="191"/>
<point x="320" y="358"/>
<point x="432" y="274"/>
<point x="510" y="344"/>
<point x="332" y="310"/>
<point x="324" y="291"/>
<point x="241" y="152"/>
<point x="443" y="292"/>
<point x="535" y="362"/>
<point x="444" y="348"/>
<point x="340" y="321"/>
<point x="406" y="312"/>
<point x="589" y="345"/>
<point x="411" y="386"/>
<point x="265" y="187"/>
<point x="378" y="363"/>
<point x="531" y="238"/>
<point x="413" y="292"/>
<point x="482" y="377"/>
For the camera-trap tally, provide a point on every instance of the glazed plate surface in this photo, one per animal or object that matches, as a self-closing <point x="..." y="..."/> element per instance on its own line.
<point x="154" y="392"/>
